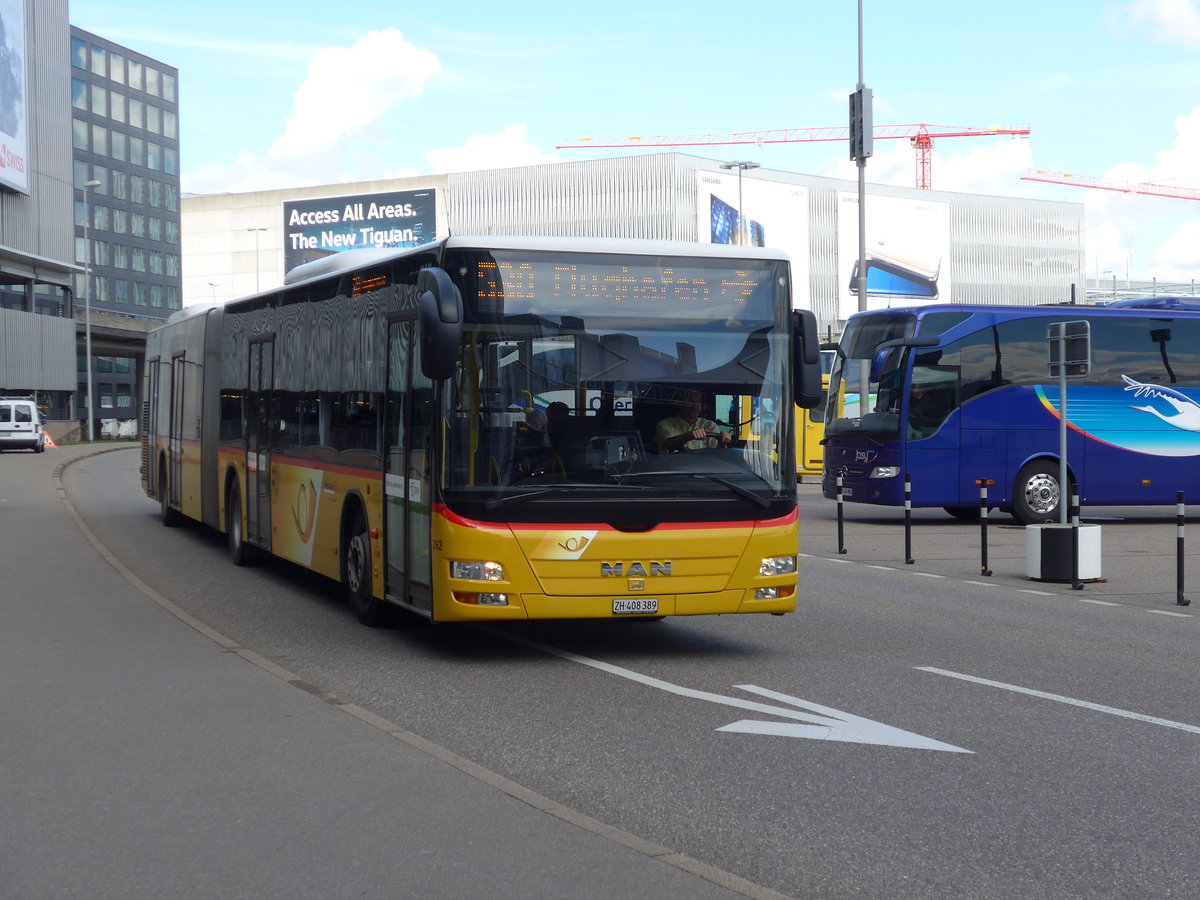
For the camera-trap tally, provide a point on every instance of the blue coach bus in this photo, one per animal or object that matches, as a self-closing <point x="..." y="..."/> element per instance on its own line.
<point x="962" y="393"/>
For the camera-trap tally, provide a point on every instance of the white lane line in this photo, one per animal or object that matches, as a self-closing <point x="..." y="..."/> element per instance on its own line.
<point x="981" y="583"/>
<point x="885" y="568"/>
<point x="1037" y="593"/>
<point x="1059" y="698"/>
<point x="1163" y="612"/>
<point x="1098" y="602"/>
<point x="927" y="574"/>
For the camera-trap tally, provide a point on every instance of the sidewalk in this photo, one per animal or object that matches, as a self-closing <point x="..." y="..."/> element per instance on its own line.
<point x="147" y="756"/>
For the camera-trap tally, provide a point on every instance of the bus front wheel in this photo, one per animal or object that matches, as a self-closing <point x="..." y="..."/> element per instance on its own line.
<point x="356" y="574"/>
<point x="1037" y="492"/>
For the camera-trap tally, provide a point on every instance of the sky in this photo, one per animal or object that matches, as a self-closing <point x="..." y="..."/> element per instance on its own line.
<point x="287" y="94"/>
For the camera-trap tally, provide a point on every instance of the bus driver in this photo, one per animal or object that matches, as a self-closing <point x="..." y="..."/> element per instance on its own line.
<point x="687" y="429"/>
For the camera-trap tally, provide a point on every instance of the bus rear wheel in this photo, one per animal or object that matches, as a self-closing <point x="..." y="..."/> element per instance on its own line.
<point x="356" y="575"/>
<point x="240" y="552"/>
<point x="1037" y="493"/>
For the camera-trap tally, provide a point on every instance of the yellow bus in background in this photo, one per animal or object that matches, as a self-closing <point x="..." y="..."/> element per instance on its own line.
<point x="810" y="423"/>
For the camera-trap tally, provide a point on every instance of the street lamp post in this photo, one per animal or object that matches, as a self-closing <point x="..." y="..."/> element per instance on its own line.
<point x="214" y="286"/>
<point x="256" y="231"/>
<point x="87" y="308"/>
<point x="741" y="166"/>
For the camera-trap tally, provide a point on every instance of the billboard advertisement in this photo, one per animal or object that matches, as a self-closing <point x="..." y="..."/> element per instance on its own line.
<point x="907" y="252"/>
<point x="757" y="213"/>
<point x="14" y="136"/>
<point x="315" y="229"/>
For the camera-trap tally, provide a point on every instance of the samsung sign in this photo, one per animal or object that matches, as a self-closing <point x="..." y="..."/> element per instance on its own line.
<point x="315" y="229"/>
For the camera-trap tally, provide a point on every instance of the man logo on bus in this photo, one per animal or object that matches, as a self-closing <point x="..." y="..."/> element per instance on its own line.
<point x="1184" y="411"/>
<point x="618" y="569"/>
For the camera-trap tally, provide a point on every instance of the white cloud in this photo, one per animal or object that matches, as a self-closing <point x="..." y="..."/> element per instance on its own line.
<point x="346" y="98"/>
<point x="1164" y="21"/>
<point x="511" y="147"/>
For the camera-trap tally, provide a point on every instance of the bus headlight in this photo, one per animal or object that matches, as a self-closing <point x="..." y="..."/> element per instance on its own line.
<point x="477" y="571"/>
<point x="773" y="593"/>
<point x="778" y="565"/>
<point x="885" y="472"/>
<point x="481" y="599"/>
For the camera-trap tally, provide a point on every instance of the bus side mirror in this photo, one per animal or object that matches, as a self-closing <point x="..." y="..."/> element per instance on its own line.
<point x="806" y="359"/>
<point x="440" y="314"/>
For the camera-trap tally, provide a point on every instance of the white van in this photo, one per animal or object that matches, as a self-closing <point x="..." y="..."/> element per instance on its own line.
<point x="20" y="425"/>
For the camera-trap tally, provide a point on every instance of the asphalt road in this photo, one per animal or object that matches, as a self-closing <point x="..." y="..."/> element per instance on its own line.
<point x="914" y="730"/>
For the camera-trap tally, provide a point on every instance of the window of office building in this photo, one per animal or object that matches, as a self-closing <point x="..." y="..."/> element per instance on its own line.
<point x="137" y="225"/>
<point x="116" y="67"/>
<point x="81" y="248"/>
<point x="156" y="262"/>
<point x="101" y="253"/>
<point x="137" y="113"/>
<point x="122" y="291"/>
<point x="140" y="293"/>
<point x="135" y="75"/>
<point x="153" y="119"/>
<point x="100" y="174"/>
<point x="79" y="53"/>
<point x="172" y="264"/>
<point x="157" y="295"/>
<point x="137" y="151"/>
<point x="80" y="213"/>
<point x="156" y="230"/>
<point x="120" y="224"/>
<point x="152" y="83"/>
<point x="79" y="134"/>
<point x="172" y="232"/>
<point x="116" y="103"/>
<point x="172" y="197"/>
<point x="81" y="173"/>
<point x="170" y="161"/>
<point x="120" y="259"/>
<point x="106" y="395"/>
<point x="99" y="104"/>
<point x="98" y="62"/>
<point x="101" y="219"/>
<point x="120" y="182"/>
<point x="168" y="86"/>
<point x="156" y="193"/>
<point x="79" y="93"/>
<point x="170" y="125"/>
<point x="138" y="259"/>
<point x="124" y="396"/>
<point x="120" y="145"/>
<point x="154" y="156"/>
<point x="100" y="140"/>
<point x="137" y="189"/>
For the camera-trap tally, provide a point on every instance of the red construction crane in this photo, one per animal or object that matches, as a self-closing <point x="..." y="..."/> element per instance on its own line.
<point x="1112" y="184"/>
<point x="920" y="136"/>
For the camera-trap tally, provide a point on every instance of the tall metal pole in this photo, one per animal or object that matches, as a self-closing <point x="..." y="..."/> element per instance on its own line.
<point x="256" y="231"/>
<point x="741" y="166"/>
<point x="87" y="309"/>
<point x="862" y="193"/>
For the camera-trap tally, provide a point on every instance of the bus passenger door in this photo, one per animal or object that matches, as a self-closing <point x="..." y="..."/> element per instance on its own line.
<point x="407" y="479"/>
<point x="175" y="434"/>
<point x="258" y="444"/>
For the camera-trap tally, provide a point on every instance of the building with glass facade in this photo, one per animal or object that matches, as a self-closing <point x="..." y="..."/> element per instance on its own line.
<point x="125" y="140"/>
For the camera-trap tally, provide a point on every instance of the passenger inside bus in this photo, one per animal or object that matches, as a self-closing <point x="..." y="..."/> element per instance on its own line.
<point x="687" y="429"/>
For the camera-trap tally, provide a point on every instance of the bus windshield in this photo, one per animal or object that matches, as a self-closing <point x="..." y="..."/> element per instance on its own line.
<point x="581" y="373"/>
<point x="861" y="369"/>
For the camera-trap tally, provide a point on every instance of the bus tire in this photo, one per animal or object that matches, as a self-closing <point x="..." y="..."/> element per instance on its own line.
<point x="170" y="517"/>
<point x="356" y="574"/>
<point x="1036" y="492"/>
<point x="241" y="553"/>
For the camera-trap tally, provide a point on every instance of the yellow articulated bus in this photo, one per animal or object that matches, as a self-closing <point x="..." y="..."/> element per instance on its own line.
<point x="494" y="428"/>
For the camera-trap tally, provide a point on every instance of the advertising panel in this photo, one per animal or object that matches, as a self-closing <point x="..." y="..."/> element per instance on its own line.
<point x="757" y="213"/>
<point x="907" y="252"/>
<point x="14" y="136"/>
<point x="315" y="229"/>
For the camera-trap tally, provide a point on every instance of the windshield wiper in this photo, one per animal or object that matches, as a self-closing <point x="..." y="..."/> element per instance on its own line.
<point x="740" y="490"/>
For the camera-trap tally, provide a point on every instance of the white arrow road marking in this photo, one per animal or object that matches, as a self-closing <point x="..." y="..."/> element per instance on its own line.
<point x="822" y="723"/>
<point x="834" y="725"/>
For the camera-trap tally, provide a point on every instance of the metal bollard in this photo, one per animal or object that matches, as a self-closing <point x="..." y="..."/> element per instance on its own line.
<point x="1076" y="584"/>
<point x="983" y="483"/>
<point x="1180" y="518"/>
<point x="841" y="525"/>
<point x="908" y="557"/>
